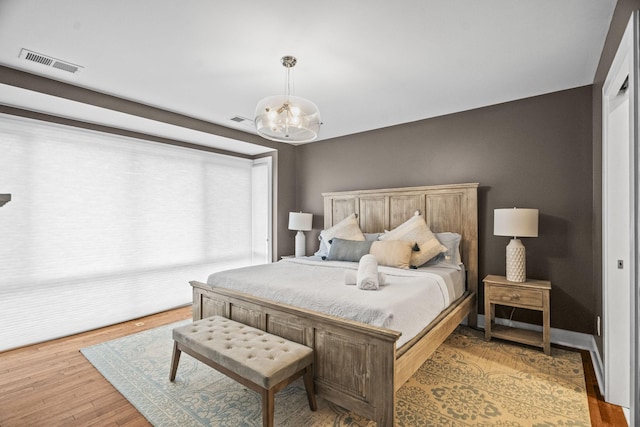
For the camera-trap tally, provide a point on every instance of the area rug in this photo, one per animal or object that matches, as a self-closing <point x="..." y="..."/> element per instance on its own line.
<point x="466" y="382"/>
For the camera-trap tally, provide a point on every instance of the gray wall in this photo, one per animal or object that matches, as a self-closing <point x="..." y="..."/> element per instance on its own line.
<point x="532" y="153"/>
<point x="621" y="16"/>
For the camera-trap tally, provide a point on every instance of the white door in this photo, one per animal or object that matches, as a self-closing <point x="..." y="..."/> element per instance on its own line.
<point x="620" y="222"/>
<point x="616" y="263"/>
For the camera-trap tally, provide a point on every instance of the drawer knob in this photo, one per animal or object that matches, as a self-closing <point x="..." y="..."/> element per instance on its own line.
<point x="515" y="297"/>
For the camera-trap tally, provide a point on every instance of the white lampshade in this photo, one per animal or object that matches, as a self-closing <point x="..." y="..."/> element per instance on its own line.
<point x="515" y="222"/>
<point x="300" y="221"/>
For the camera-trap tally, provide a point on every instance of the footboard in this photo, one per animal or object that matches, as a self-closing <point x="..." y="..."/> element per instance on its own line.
<point x="354" y="363"/>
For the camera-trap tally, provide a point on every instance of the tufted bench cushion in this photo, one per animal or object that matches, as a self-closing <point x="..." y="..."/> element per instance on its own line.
<point x="246" y="354"/>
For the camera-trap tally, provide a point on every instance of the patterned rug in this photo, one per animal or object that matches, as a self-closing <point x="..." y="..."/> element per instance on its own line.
<point x="466" y="382"/>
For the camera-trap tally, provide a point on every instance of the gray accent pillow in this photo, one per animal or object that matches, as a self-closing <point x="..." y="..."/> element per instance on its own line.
<point x="348" y="250"/>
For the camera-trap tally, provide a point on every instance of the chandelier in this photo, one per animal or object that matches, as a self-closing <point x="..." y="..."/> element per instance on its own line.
<point x="287" y="118"/>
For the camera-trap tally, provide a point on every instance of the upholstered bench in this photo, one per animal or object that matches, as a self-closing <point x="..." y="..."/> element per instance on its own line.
<point x="258" y="360"/>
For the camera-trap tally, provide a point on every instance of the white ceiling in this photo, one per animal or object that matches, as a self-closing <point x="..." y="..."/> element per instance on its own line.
<point x="366" y="64"/>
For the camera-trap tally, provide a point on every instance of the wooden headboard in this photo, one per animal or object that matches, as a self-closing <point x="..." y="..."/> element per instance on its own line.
<point x="445" y="208"/>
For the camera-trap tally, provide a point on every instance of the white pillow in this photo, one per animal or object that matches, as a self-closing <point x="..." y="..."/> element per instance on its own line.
<point x="415" y="229"/>
<point x="347" y="229"/>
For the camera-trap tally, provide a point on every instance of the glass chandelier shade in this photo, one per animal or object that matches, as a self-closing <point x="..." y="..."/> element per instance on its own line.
<point x="287" y="118"/>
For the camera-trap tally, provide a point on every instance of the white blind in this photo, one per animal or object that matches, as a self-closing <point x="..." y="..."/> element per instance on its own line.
<point x="103" y="228"/>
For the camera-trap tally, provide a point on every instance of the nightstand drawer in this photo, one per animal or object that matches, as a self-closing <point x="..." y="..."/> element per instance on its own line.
<point x="519" y="296"/>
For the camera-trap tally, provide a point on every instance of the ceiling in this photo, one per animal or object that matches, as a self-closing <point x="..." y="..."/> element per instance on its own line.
<point x="366" y="64"/>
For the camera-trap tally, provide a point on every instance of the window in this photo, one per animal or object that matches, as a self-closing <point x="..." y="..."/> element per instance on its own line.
<point x="104" y="228"/>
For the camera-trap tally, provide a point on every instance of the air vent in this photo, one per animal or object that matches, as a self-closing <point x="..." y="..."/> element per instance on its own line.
<point x="48" y="61"/>
<point x="38" y="58"/>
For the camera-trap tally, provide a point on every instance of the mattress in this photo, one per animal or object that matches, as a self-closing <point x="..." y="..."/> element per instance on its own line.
<point x="409" y="301"/>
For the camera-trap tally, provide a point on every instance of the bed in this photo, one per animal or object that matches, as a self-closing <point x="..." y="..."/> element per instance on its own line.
<point x="360" y="366"/>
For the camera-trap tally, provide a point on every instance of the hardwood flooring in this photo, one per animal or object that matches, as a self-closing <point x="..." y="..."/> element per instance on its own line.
<point x="52" y="384"/>
<point x="602" y="413"/>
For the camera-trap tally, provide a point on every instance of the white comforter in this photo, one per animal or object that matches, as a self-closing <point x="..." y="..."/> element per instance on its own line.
<point x="409" y="301"/>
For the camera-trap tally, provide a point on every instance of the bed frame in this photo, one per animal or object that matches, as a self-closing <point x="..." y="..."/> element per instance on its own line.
<point x="357" y="366"/>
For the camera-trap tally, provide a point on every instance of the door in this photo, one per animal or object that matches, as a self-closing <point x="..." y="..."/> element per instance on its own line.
<point x="620" y="224"/>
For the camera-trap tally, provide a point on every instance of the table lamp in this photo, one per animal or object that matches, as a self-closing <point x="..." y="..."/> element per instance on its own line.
<point x="301" y="222"/>
<point x="517" y="223"/>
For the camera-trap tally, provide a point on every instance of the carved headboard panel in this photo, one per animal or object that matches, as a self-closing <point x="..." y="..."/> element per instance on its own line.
<point x="445" y="208"/>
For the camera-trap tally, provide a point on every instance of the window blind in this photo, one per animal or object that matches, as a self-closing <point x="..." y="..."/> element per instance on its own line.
<point x="103" y="228"/>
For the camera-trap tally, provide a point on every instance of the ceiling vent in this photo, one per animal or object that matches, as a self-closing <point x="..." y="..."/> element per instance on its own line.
<point x="49" y="61"/>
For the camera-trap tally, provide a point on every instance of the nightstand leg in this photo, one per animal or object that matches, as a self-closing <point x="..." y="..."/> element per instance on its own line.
<point x="488" y="317"/>
<point x="546" y="324"/>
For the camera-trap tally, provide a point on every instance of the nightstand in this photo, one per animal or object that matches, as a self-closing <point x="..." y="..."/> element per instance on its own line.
<point x="530" y="295"/>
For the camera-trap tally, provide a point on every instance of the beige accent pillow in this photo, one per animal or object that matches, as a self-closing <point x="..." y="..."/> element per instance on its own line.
<point x="392" y="253"/>
<point x="415" y="229"/>
<point x="347" y="229"/>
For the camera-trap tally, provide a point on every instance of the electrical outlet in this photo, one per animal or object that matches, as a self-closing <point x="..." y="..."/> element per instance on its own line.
<point x="598" y="325"/>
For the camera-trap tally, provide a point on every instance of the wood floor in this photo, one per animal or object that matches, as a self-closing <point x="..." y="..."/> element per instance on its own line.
<point x="52" y="384"/>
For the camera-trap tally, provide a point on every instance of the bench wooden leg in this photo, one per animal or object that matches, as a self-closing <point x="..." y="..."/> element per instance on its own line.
<point x="175" y="359"/>
<point x="268" y="397"/>
<point x="308" y="385"/>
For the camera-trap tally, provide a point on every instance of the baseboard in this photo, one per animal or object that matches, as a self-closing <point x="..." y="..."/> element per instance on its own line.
<point x="565" y="338"/>
<point x="598" y="367"/>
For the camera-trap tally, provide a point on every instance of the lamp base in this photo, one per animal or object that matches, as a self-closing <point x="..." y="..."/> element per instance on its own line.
<point x="301" y="244"/>
<point x="516" y="261"/>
